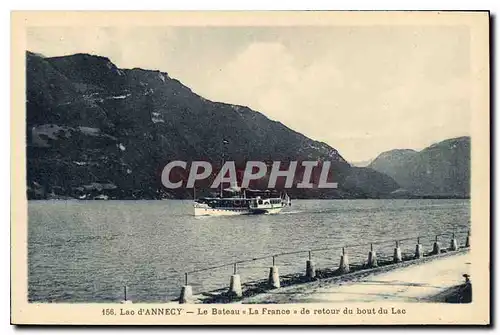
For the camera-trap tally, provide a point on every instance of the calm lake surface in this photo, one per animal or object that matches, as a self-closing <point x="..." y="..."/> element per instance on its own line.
<point x="82" y="251"/>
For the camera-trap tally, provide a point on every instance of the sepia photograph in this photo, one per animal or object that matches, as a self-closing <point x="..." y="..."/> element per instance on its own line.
<point x="204" y="168"/>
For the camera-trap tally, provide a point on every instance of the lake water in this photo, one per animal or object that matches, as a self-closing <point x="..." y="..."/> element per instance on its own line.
<point x="82" y="251"/>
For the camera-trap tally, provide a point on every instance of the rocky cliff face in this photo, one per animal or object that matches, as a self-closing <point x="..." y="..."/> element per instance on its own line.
<point x="96" y="130"/>
<point x="443" y="169"/>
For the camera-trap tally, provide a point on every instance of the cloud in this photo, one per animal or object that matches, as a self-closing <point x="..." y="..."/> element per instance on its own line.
<point x="361" y="106"/>
<point x="127" y="47"/>
<point x="267" y="77"/>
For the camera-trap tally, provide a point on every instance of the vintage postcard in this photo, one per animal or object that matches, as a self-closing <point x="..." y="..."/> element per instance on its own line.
<point x="250" y="168"/>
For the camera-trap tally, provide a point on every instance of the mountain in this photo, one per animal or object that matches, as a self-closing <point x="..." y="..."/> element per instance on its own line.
<point x="443" y="169"/>
<point x="94" y="129"/>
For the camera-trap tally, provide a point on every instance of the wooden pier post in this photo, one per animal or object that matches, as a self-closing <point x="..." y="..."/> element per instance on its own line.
<point x="344" y="262"/>
<point x="418" y="250"/>
<point x="274" y="277"/>
<point x="436" y="248"/>
<point x="186" y="294"/>
<point x="310" y="268"/>
<point x="397" y="253"/>
<point x="467" y="240"/>
<point x="235" y="286"/>
<point x="186" y="291"/>
<point x="372" y="257"/>
<point x="453" y="243"/>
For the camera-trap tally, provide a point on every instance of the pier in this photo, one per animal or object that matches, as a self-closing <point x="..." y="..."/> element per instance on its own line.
<point x="261" y="276"/>
<point x="353" y="260"/>
<point x="418" y="281"/>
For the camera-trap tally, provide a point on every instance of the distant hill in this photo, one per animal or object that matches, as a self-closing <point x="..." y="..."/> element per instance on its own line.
<point x="96" y="130"/>
<point x="361" y="163"/>
<point x="443" y="169"/>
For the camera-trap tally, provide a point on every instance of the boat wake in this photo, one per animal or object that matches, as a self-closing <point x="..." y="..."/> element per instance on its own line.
<point x="291" y="212"/>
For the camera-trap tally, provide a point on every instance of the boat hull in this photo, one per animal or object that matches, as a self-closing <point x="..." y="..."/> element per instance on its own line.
<point x="200" y="211"/>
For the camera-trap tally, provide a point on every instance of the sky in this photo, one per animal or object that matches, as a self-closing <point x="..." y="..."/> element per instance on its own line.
<point x="361" y="89"/>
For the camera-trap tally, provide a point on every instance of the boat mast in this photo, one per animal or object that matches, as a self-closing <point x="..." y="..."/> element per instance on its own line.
<point x="221" y="183"/>
<point x="222" y="176"/>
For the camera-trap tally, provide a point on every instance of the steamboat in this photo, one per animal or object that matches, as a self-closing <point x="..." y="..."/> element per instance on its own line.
<point x="246" y="202"/>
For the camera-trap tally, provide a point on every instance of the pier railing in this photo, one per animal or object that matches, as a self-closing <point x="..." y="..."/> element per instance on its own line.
<point x="259" y="274"/>
<point x="272" y="270"/>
